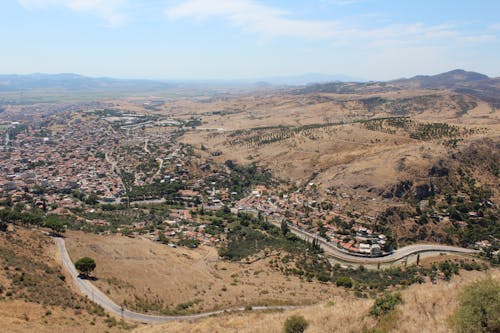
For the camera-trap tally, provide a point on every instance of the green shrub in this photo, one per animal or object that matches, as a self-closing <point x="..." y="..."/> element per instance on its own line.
<point x="296" y="324"/>
<point x="343" y="281"/>
<point x="187" y="305"/>
<point x="479" y="308"/>
<point x="323" y="277"/>
<point x="385" y="304"/>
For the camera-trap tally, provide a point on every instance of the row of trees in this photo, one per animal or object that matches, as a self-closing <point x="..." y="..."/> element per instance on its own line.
<point x="417" y="130"/>
<point x="56" y="223"/>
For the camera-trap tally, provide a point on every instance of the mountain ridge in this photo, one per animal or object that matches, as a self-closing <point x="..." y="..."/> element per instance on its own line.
<point x="72" y="81"/>
<point x="442" y="80"/>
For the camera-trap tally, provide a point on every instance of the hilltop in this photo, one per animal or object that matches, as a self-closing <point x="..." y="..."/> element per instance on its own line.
<point x="447" y="80"/>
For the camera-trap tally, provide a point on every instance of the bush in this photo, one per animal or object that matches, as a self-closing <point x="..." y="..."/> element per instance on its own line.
<point x="186" y="305"/>
<point x="479" y="308"/>
<point x="296" y="324"/>
<point x="343" y="281"/>
<point x="323" y="277"/>
<point x="385" y="304"/>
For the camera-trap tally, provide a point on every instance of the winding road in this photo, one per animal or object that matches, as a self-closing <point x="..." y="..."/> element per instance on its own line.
<point x="97" y="296"/>
<point x="398" y="254"/>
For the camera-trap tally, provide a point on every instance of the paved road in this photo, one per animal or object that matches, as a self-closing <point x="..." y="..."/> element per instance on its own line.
<point x="95" y="294"/>
<point x="399" y="254"/>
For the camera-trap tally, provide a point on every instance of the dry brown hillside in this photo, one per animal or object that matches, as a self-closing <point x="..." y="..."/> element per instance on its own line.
<point x="365" y="151"/>
<point x="426" y="308"/>
<point x="35" y="295"/>
<point x="150" y="277"/>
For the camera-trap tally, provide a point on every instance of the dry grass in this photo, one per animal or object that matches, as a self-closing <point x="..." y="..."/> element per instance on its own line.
<point x="19" y="316"/>
<point x="350" y="158"/>
<point x="343" y="316"/>
<point x="33" y="297"/>
<point x="426" y="308"/>
<point x="152" y="276"/>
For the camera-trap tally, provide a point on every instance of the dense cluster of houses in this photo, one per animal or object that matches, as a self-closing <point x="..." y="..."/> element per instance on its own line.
<point x="88" y="154"/>
<point x="308" y="215"/>
<point x="70" y="158"/>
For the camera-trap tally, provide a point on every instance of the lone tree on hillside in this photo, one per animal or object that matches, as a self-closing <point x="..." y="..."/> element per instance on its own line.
<point x="85" y="266"/>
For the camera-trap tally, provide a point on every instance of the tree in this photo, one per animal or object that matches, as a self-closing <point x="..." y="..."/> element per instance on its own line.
<point x="57" y="226"/>
<point x="91" y="199"/>
<point x="296" y="324"/>
<point x="284" y="227"/>
<point x="85" y="265"/>
<point x="479" y="308"/>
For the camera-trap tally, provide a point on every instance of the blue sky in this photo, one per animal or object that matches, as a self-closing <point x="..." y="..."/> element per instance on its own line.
<point x="224" y="39"/>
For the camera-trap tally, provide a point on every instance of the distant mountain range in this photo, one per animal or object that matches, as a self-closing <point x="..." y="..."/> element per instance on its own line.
<point x="471" y="83"/>
<point x="461" y="81"/>
<point x="75" y="82"/>
<point x="299" y="80"/>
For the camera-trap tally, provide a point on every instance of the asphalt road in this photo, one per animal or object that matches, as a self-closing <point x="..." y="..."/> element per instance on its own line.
<point x="95" y="294"/>
<point x="395" y="256"/>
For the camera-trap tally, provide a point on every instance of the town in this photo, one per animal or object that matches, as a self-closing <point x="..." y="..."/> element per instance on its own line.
<point x="89" y="162"/>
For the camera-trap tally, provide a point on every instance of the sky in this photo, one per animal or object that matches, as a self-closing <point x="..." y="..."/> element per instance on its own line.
<point x="246" y="39"/>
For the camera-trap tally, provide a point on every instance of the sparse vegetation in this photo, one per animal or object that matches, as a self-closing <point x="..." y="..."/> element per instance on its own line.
<point x="479" y="308"/>
<point x="417" y="130"/>
<point x="385" y="304"/>
<point x="345" y="163"/>
<point x="33" y="276"/>
<point x="295" y="324"/>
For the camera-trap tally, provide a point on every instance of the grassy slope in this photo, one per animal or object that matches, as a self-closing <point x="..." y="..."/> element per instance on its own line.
<point x="426" y="308"/>
<point x="180" y="275"/>
<point x="34" y="297"/>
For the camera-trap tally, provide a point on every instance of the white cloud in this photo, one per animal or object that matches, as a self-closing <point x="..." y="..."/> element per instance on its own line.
<point x="109" y="10"/>
<point x="253" y="17"/>
<point x="269" y="22"/>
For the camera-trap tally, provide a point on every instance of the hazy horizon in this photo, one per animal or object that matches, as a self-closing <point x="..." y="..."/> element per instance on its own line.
<point x="195" y="40"/>
<point x="322" y="77"/>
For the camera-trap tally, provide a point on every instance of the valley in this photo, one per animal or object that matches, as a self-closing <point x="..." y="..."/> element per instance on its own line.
<point x="284" y="200"/>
